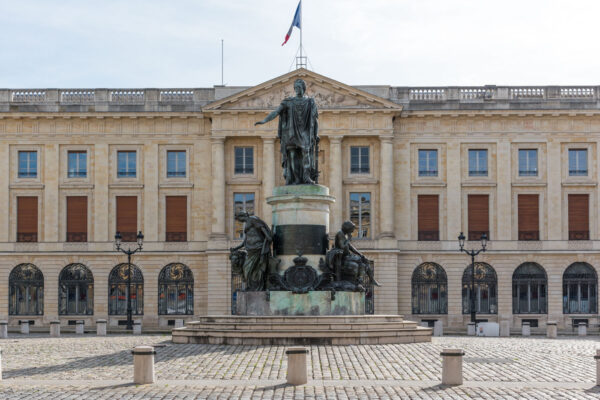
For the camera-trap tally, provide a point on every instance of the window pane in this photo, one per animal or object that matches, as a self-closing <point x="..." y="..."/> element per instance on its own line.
<point x="244" y="160"/>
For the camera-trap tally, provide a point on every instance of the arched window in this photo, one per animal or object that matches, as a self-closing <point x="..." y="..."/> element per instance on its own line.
<point x="580" y="289"/>
<point x="486" y="293"/>
<point x="429" y="289"/>
<point x="529" y="289"/>
<point x="26" y="290"/>
<point x="175" y="290"/>
<point x="75" y="290"/>
<point x="117" y="290"/>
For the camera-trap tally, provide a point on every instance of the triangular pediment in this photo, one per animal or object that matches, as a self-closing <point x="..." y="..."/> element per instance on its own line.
<point x="328" y="93"/>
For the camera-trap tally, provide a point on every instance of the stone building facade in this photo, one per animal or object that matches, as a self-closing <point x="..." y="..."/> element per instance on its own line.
<point x="412" y="167"/>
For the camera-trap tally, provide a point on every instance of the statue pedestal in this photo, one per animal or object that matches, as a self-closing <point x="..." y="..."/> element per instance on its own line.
<point x="312" y="303"/>
<point x="301" y="223"/>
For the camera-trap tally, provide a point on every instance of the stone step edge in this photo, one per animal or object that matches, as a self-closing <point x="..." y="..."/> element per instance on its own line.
<point x="336" y="327"/>
<point x="303" y="316"/>
<point x="291" y="334"/>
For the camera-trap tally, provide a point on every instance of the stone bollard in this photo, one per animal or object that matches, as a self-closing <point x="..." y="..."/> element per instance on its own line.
<point x="79" y="327"/>
<point x="582" y="329"/>
<point x="137" y="327"/>
<point x="143" y="365"/>
<point x="0" y="364"/>
<point x="179" y="323"/>
<point x="296" y="370"/>
<point x="525" y="329"/>
<point x="505" y="328"/>
<point x="452" y="360"/>
<point x="471" y="329"/>
<point x="25" y="327"/>
<point x="551" y="330"/>
<point x="55" y="328"/>
<point x="101" y="327"/>
<point x="3" y="329"/>
<point x="438" y="328"/>
<point x="597" y="358"/>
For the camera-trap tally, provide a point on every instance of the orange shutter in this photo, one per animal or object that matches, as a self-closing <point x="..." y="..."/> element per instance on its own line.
<point x="579" y="219"/>
<point x="176" y="218"/>
<point x="479" y="216"/>
<point x="529" y="217"/>
<point x="27" y="219"/>
<point x="428" y="215"/>
<point x="127" y="217"/>
<point x="77" y="219"/>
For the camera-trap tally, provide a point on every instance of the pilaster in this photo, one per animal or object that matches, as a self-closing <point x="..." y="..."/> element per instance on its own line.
<point x="386" y="188"/>
<point x="268" y="178"/>
<point x="218" y="187"/>
<point x="50" y="205"/>
<point x="335" y="183"/>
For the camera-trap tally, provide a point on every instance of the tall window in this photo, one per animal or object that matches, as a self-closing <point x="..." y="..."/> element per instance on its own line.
<point x="579" y="217"/>
<point x="428" y="223"/>
<point x="117" y="290"/>
<point x="578" y="165"/>
<point x="479" y="216"/>
<point x="428" y="165"/>
<point x="528" y="164"/>
<point x="176" y="219"/>
<point x="175" y="290"/>
<point x="242" y="202"/>
<point x="27" y="164"/>
<point x="244" y="160"/>
<point x="27" y="219"/>
<point x="176" y="164"/>
<point x="126" y="164"/>
<point x="26" y="290"/>
<point x="429" y="289"/>
<point x="76" y="218"/>
<point x="127" y="217"/>
<point x="75" y="290"/>
<point x="528" y="217"/>
<point x="529" y="289"/>
<point x="478" y="165"/>
<point x="580" y="294"/>
<point x="486" y="293"/>
<point x="77" y="164"/>
<point x="359" y="160"/>
<point x="360" y="214"/>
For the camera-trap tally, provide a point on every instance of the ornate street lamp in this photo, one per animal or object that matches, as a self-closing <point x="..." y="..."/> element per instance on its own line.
<point x="129" y="251"/>
<point x="472" y="253"/>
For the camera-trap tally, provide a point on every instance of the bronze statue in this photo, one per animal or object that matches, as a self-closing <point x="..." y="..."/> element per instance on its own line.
<point x="298" y="131"/>
<point x="253" y="261"/>
<point x="346" y="262"/>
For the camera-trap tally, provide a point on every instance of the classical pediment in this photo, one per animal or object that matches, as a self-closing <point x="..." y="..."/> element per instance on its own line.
<point x="329" y="95"/>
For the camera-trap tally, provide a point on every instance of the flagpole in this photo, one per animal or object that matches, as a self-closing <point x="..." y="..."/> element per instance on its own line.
<point x="301" y="24"/>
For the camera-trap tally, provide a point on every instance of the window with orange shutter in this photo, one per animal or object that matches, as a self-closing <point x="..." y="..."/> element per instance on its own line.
<point x="579" y="219"/>
<point x="176" y="219"/>
<point x="27" y="219"/>
<point x="479" y="217"/>
<point x="529" y="217"/>
<point x="428" y="217"/>
<point x="127" y="217"/>
<point x="77" y="219"/>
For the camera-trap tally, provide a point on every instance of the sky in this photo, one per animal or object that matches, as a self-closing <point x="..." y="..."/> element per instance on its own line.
<point x="177" y="43"/>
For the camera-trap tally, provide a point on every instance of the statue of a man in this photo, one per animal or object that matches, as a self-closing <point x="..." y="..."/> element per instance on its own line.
<point x="298" y="132"/>
<point x="257" y="245"/>
<point x="353" y="263"/>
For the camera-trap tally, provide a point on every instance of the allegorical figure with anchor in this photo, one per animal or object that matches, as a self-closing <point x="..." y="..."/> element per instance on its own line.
<point x="299" y="134"/>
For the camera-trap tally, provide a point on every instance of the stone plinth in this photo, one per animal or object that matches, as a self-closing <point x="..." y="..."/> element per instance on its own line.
<point x="143" y="365"/>
<point x="301" y="223"/>
<point x="311" y="303"/>
<point x="101" y="327"/>
<point x="55" y="329"/>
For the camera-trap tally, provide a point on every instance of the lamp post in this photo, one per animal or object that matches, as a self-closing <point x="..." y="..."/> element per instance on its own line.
<point x="129" y="251"/>
<point x="472" y="253"/>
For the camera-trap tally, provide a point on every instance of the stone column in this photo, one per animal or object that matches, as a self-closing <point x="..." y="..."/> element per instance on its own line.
<point x="453" y="191"/>
<point x="218" y="187"/>
<point x="386" y="188"/>
<point x="554" y="193"/>
<point x="335" y="183"/>
<point x="268" y="178"/>
<point x="101" y="227"/>
<point x="50" y="202"/>
<point x="150" y="198"/>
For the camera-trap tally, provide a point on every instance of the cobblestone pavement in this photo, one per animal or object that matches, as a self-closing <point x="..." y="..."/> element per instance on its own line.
<point x="91" y="367"/>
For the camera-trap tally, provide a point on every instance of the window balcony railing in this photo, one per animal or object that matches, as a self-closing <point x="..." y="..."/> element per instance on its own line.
<point x="476" y="235"/>
<point x="25" y="174"/>
<point x="478" y="173"/>
<point x="428" y="173"/>
<point x="126" y="174"/>
<point x="77" y="174"/>
<point x="529" y="235"/>
<point x="176" y="237"/>
<point x="528" y="172"/>
<point x="175" y="174"/>
<point x="579" y="235"/>
<point x="76" y="236"/>
<point x="429" y="236"/>
<point x="578" y="172"/>
<point x="27" y="237"/>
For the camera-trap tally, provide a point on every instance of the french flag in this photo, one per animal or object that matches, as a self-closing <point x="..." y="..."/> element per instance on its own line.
<point x="296" y="22"/>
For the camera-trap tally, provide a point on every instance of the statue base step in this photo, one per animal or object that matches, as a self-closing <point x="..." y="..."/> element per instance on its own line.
<point x="302" y="330"/>
<point x="311" y="303"/>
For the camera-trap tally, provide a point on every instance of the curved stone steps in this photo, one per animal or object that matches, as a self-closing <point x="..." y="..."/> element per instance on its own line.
<point x="293" y="330"/>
